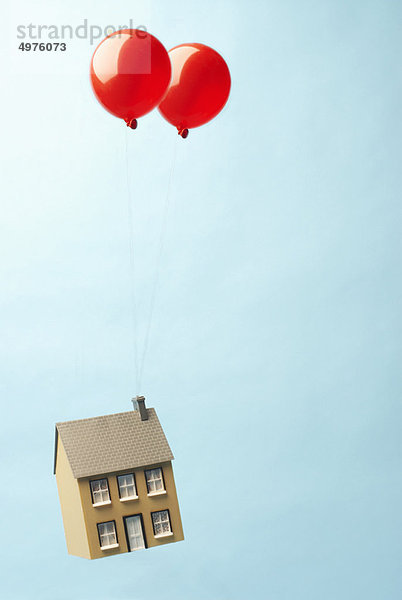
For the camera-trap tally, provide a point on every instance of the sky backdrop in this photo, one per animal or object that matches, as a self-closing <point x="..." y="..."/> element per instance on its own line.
<point x="274" y="356"/>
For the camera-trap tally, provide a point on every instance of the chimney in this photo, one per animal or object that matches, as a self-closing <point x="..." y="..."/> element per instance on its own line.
<point x="139" y="404"/>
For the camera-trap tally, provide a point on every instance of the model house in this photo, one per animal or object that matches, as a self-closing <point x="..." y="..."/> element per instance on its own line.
<point x="115" y="482"/>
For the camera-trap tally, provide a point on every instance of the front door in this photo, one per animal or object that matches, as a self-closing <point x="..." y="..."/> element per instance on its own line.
<point x="135" y="534"/>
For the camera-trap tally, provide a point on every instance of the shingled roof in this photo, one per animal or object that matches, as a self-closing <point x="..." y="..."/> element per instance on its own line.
<point x="113" y="443"/>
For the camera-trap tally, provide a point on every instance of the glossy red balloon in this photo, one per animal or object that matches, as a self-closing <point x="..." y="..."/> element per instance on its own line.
<point x="130" y="73"/>
<point x="199" y="87"/>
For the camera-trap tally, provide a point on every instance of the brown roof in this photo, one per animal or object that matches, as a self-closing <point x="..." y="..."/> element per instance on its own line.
<point x="113" y="443"/>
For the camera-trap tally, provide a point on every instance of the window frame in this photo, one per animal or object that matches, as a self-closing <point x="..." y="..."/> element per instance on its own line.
<point x="111" y="546"/>
<point x="158" y="492"/>
<point x="161" y="535"/>
<point x="135" y="487"/>
<point x="91" y="481"/>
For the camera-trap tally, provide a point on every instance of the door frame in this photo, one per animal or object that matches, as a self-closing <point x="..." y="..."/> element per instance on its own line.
<point x="126" y="532"/>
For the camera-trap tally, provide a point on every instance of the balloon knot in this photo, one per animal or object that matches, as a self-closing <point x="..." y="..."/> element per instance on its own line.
<point x="132" y="123"/>
<point x="183" y="133"/>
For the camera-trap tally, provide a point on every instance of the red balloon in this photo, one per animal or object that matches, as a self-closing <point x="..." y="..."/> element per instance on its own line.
<point x="130" y="73"/>
<point x="199" y="88"/>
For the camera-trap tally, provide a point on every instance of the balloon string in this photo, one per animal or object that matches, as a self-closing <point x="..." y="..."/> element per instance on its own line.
<point x="132" y="271"/>
<point x="159" y="260"/>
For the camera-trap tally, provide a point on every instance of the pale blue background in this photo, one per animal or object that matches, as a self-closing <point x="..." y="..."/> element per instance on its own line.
<point x="274" y="361"/>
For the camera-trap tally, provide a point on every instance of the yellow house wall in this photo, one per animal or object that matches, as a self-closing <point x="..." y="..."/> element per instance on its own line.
<point x="117" y="510"/>
<point x="71" y="508"/>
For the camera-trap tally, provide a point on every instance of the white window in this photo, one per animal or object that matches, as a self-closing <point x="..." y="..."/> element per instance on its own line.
<point x="100" y="492"/>
<point x="154" y="479"/>
<point x="161" y="523"/>
<point x="127" y="486"/>
<point x="107" y="535"/>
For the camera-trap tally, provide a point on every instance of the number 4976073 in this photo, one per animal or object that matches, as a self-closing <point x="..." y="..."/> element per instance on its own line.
<point x="42" y="46"/>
